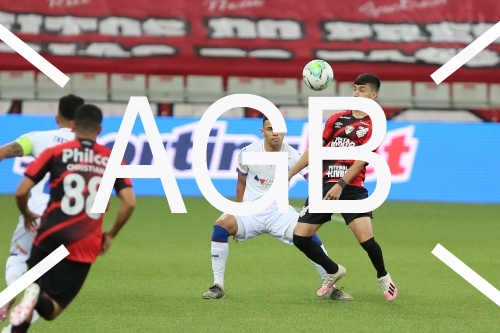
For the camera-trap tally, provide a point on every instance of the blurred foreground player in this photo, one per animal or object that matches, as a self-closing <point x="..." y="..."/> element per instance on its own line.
<point x="344" y="180"/>
<point x="76" y="169"/>
<point x="253" y="182"/>
<point x="33" y="144"/>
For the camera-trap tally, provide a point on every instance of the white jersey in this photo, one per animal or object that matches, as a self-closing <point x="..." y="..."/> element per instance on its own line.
<point x="39" y="142"/>
<point x="259" y="178"/>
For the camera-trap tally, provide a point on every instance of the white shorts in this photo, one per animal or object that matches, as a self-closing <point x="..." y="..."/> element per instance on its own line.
<point x="269" y="221"/>
<point x="22" y="241"/>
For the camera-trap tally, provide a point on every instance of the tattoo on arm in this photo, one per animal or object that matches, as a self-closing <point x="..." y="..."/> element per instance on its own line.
<point x="10" y="150"/>
<point x="15" y="149"/>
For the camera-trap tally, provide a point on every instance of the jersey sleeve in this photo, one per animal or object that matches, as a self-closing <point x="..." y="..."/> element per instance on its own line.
<point x="121" y="183"/>
<point x="241" y="168"/>
<point x="26" y="143"/>
<point x="37" y="169"/>
<point x="328" y="130"/>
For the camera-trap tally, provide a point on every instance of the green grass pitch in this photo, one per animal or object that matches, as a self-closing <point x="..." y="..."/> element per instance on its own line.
<point x="153" y="277"/>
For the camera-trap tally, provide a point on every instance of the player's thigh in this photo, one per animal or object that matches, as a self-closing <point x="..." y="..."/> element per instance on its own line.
<point x="360" y="223"/>
<point x="22" y="240"/>
<point x="228" y="222"/>
<point x="309" y="222"/>
<point x="64" y="281"/>
<point x="248" y="227"/>
<point x="282" y="225"/>
<point x="362" y="228"/>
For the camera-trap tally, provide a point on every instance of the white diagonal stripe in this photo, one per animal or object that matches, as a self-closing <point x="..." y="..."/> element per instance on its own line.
<point x="467" y="273"/>
<point x="33" y="57"/>
<point x="466" y="54"/>
<point x="33" y="274"/>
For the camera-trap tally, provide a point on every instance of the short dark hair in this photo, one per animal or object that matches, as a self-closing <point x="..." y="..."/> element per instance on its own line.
<point x="68" y="105"/>
<point x="368" y="78"/>
<point x="264" y="118"/>
<point x="88" y="118"/>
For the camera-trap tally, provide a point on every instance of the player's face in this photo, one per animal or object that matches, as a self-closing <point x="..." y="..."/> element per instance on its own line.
<point x="364" y="90"/>
<point x="273" y="139"/>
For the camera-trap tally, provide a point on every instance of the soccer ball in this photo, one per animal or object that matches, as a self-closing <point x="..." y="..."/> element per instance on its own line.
<point x="317" y="75"/>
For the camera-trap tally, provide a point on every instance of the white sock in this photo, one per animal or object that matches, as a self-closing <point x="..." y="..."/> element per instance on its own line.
<point x="320" y="269"/>
<point x="220" y="251"/>
<point x="35" y="317"/>
<point x="14" y="270"/>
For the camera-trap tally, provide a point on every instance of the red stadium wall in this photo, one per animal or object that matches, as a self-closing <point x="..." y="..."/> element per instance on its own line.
<point x="397" y="39"/>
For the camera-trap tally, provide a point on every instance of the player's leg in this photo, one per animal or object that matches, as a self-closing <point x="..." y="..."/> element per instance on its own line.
<point x="241" y="227"/>
<point x="361" y="226"/>
<point x="362" y="229"/>
<point x="288" y="222"/>
<point x="308" y="225"/>
<point x="336" y="293"/>
<point x="15" y="268"/>
<point x="51" y="293"/>
<point x="20" y="248"/>
<point x="303" y="240"/>
<point x="224" y="227"/>
<point x="320" y="269"/>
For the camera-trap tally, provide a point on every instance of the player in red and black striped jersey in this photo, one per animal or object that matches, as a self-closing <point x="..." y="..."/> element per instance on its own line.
<point x="343" y="129"/>
<point x="344" y="180"/>
<point x="76" y="169"/>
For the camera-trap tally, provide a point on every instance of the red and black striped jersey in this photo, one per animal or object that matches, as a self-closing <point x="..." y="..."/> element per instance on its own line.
<point x="76" y="168"/>
<point x="342" y="129"/>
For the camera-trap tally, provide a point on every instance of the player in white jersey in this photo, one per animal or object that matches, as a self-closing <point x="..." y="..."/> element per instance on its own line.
<point x="33" y="144"/>
<point x="253" y="182"/>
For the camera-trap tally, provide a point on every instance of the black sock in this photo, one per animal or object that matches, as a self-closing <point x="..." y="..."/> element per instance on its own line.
<point x="314" y="252"/>
<point x="375" y="253"/>
<point x="44" y="306"/>
<point x="23" y="328"/>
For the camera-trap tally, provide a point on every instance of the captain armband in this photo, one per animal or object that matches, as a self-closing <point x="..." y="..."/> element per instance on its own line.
<point x="25" y="142"/>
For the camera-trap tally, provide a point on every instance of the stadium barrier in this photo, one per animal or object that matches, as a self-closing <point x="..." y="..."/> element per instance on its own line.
<point x="440" y="162"/>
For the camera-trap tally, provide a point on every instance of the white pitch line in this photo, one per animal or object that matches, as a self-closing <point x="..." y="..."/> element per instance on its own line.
<point x="466" y="54"/>
<point x="468" y="274"/>
<point x="33" y="274"/>
<point x="33" y="57"/>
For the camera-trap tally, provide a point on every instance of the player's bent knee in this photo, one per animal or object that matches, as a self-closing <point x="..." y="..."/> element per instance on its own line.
<point x="228" y="222"/>
<point x="305" y="229"/>
<point x="300" y="241"/>
<point x="57" y="311"/>
<point x="362" y="228"/>
<point x="368" y="244"/>
<point x="52" y="316"/>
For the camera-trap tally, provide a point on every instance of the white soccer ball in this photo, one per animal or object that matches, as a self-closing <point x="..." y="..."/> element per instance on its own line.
<point x="317" y="75"/>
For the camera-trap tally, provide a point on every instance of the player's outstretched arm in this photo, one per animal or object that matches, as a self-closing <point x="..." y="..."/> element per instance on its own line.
<point x="10" y="150"/>
<point x="355" y="168"/>
<point x="22" y="193"/>
<point x="127" y="197"/>
<point x="22" y="146"/>
<point x="335" y="192"/>
<point x="301" y="164"/>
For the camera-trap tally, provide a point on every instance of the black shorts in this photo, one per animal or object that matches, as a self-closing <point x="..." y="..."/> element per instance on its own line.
<point x="63" y="281"/>
<point x="348" y="193"/>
